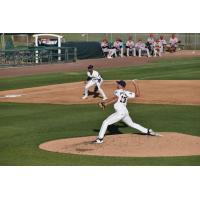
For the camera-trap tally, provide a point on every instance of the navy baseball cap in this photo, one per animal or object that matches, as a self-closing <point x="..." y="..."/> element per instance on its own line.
<point x="122" y="83"/>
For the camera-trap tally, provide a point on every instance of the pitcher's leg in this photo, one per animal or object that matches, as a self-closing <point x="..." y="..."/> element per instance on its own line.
<point x="115" y="117"/>
<point x="127" y="120"/>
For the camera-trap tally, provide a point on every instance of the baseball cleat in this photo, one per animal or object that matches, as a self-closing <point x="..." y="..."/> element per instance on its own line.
<point x="105" y="98"/>
<point x="84" y="97"/>
<point x="98" y="141"/>
<point x="109" y="57"/>
<point x="152" y="133"/>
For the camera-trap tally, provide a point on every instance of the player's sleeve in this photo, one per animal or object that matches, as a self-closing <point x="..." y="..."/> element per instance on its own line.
<point x="131" y="95"/>
<point x="88" y="74"/>
<point x="116" y="93"/>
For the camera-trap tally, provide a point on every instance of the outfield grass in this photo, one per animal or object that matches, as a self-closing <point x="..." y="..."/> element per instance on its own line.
<point x="177" y="69"/>
<point x="24" y="126"/>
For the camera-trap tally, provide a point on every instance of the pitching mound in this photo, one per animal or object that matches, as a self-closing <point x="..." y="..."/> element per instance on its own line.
<point x="129" y="145"/>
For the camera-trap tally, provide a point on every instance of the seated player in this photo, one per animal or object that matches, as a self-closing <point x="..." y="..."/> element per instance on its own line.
<point x="173" y="43"/>
<point x="93" y="79"/>
<point x="105" y="47"/>
<point x="163" y="43"/>
<point x="150" y="43"/>
<point x="118" y="45"/>
<point x="157" y="48"/>
<point x="130" y="47"/>
<point x="108" y="52"/>
<point x="141" y="47"/>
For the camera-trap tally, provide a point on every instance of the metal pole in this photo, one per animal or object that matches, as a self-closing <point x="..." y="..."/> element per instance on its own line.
<point x="36" y="52"/>
<point x="27" y="40"/>
<point x="111" y="37"/>
<point x="59" y="49"/>
<point x="3" y="42"/>
<point x="75" y="54"/>
<point x="87" y="37"/>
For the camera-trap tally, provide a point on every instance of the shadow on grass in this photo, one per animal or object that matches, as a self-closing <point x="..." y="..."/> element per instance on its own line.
<point x="113" y="129"/>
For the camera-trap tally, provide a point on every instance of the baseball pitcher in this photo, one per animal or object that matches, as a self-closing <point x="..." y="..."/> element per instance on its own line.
<point x="120" y="99"/>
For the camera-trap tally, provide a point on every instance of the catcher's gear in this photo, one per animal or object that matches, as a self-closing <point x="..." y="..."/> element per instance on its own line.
<point x="102" y="105"/>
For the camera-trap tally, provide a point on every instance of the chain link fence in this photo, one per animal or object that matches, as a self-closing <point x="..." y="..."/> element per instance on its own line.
<point x="34" y="56"/>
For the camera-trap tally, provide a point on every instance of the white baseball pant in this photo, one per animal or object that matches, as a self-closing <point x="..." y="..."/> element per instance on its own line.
<point x="133" y="51"/>
<point x="144" y="49"/>
<point x="157" y="52"/>
<point x="116" y="117"/>
<point x="112" y="52"/>
<point x="98" y="84"/>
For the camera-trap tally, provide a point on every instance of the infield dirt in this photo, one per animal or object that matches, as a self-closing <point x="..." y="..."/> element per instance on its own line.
<point x="179" y="92"/>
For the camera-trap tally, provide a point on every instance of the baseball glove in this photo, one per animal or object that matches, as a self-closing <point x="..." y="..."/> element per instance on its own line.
<point x="102" y="105"/>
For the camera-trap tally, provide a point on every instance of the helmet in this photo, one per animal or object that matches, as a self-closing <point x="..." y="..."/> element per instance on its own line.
<point x="122" y="83"/>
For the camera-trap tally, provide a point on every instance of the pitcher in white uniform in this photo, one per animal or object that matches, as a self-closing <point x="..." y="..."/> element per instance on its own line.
<point x="120" y="98"/>
<point x="94" y="79"/>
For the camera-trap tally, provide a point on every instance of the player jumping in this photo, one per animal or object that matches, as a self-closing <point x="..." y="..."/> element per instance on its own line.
<point x="120" y="99"/>
<point x="94" y="79"/>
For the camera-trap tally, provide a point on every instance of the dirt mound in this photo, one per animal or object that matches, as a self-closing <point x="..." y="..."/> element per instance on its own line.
<point x="181" y="92"/>
<point x="129" y="145"/>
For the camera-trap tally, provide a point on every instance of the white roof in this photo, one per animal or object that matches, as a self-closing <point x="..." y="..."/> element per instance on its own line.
<point x="47" y="34"/>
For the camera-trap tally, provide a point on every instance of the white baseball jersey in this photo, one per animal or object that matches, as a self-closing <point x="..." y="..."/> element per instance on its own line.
<point x="173" y="41"/>
<point x="130" y="44"/>
<point x="104" y="45"/>
<point x="118" y="45"/>
<point x="157" y="45"/>
<point x="163" y="41"/>
<point x="150" y="40"/>
<point x="94" y="76"/>
<point x="123" y="96"/>
<point x="140" y="45"/>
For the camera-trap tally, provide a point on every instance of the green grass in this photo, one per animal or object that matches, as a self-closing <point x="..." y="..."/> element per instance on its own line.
<point x="178" y="69"/>
<point x="24" y="126"/>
